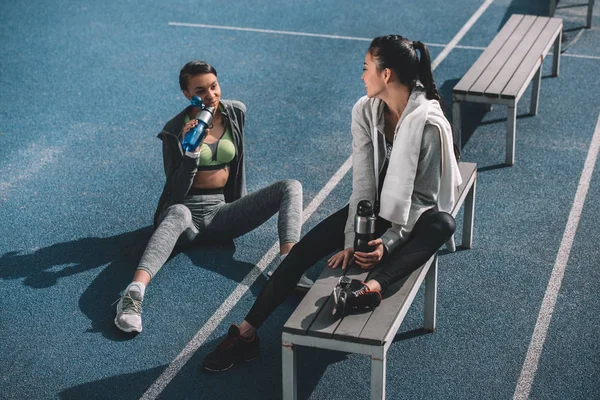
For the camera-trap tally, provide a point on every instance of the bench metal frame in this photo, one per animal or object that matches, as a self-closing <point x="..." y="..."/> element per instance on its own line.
<point x="590" y="6"/>
<point x="511" y="103"/>
<point x="377" y="352"/>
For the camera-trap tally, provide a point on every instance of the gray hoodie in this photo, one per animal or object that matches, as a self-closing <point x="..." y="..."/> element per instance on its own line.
<point x="367" y="118"/>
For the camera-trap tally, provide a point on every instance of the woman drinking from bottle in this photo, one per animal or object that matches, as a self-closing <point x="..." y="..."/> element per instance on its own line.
<point x="403" y="160"/>
<point x="205" y="190"/>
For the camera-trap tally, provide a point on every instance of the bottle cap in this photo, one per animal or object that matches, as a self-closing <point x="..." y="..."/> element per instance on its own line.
<point x="364" y="208"/>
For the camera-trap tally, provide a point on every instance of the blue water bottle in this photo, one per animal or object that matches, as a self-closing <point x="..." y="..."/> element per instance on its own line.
<point x="196" y="135"/>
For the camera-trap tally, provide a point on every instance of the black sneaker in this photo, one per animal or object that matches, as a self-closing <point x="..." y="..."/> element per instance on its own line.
<point x="233" y="349"/>
<point x="353" y="295"/>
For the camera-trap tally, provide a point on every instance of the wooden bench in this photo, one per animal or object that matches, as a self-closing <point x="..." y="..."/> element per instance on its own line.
<point x="502" y="73"/>
<point x="312" y="323"/>
<point x="590" y="9"/>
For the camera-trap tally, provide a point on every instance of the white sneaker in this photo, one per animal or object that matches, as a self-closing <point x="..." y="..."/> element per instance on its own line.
<point x="305" y="282"/>
<point x="129" y="310"/>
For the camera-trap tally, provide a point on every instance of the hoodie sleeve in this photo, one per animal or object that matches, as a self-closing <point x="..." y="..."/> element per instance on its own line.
<point x="179" y="170"/>
<point x="363" y="171"/>
<point x="426" y="188"/>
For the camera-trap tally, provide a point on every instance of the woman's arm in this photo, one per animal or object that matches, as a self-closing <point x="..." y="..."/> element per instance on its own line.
<point x="363" y="170"/>
<point x="179" y="170"/>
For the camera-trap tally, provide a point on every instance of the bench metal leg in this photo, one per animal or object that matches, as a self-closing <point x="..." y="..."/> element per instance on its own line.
<point x="378" y="364"/>
<point x="556" y="55"/>
<point x="431" y="295"/>
<point x="511" y="135"/>
<point x="588" y="24"/>
<point x="451" y="245"/>
<point x="535" y="93"/>
<point x="457" y="123"/>
<point x="469" y="216"/>
<point x="288" y="371"/>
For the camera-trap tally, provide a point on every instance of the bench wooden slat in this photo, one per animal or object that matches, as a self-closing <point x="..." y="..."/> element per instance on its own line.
<point x="497" y="86"/>
<point x="326" y="324"/>
<point x="464" y="85"/>
<point x="499" y="62"/>
<point x="527" y="68"/>
<point x="313" y="302"/>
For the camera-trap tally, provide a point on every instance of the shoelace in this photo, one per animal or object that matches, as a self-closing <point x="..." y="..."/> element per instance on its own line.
<point x="130" y="304"/>
<point x="361" y="291"/>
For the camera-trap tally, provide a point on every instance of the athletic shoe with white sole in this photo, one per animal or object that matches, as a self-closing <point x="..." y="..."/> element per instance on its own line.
<point x="129" y="310"/>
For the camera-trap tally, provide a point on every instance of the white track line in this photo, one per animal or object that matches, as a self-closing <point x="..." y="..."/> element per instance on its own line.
<point x="538" y="338"/>
<point x="361" y="39"/>
<point x="175" y="366"/>
<point x="237" y="28"/>
<point x="460" y="34"/>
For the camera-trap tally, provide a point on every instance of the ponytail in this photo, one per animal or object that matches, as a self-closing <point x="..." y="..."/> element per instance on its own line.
<point x="425" y="73"/>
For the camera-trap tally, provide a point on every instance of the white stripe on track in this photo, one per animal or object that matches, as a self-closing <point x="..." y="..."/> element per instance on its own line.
<point x="361" y="39"/>
<point x="460" y="34"/>
<point x="175" y="366"/>
<point x="532" y="359"/>
<point x="31" y="160"/>
<point x="237" y="28"/>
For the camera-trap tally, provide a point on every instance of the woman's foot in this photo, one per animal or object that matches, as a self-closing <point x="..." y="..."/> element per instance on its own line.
<point x="353" y="295"/>
<point x="233" y="349"/>
<point x="129" y="308"/>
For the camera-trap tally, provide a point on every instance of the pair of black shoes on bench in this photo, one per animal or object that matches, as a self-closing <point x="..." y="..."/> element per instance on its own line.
<point x="352" y="295"/>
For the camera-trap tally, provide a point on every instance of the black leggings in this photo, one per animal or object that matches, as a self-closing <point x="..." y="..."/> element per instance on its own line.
<point x="431" y="231"/>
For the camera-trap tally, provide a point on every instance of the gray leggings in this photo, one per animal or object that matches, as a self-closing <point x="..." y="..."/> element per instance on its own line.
<point x="208" y="216"/>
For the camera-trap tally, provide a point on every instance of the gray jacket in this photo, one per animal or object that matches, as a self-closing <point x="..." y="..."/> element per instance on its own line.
<point x="181" y="169"/>
<point x="367" y="118"/>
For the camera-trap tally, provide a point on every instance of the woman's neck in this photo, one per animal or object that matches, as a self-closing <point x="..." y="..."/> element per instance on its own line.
<point x="396" y="99"/>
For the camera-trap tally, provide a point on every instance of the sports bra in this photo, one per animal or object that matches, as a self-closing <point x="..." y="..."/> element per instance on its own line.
<point x="216" y="155"/>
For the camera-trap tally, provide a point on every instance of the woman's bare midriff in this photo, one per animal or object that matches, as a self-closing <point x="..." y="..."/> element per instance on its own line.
<point x="211" y="179"/>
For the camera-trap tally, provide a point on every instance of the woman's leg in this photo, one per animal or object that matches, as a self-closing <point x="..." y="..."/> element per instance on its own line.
<point x="431" y="231"/>
<point x="176" y="220"/>
<point x="323" y="239"/>
<point x="241" y="344"/>
<point x="249" y="212"/>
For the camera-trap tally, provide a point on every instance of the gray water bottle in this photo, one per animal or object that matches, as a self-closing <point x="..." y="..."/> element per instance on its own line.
<point x="364" y="226"/>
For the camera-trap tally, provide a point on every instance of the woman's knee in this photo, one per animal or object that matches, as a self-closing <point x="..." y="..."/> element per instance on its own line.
<point x="179" y="212"/>
<point x="444" y="224"/>
<point x="291" y="187"/>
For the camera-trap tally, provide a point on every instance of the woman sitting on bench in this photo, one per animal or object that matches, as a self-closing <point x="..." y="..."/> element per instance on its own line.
<point x="403" y="159"/>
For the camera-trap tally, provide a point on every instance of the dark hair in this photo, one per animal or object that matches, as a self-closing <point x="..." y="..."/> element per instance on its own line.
<point x="400" y="55"/>
<point x="194" y="68"/>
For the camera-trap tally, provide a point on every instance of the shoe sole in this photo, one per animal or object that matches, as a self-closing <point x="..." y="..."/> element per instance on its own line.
<point x="126" y="330"/>
<point x="229" y="367"/>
